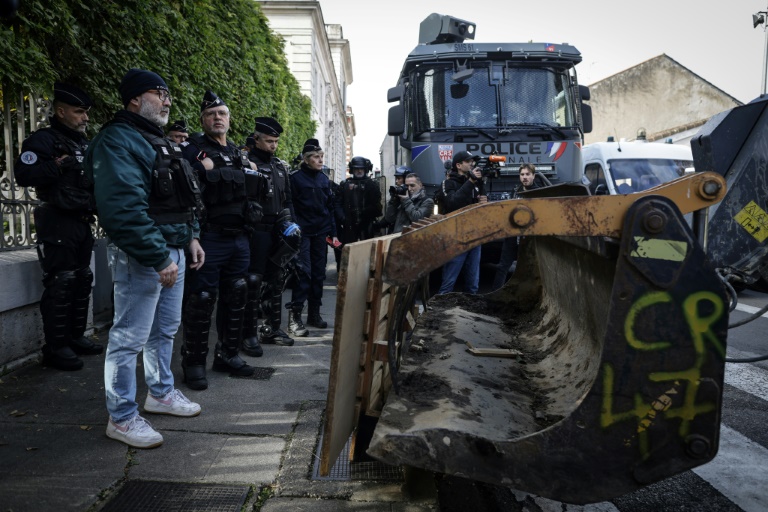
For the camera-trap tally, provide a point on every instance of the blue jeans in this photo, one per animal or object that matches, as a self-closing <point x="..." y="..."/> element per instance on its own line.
<point x="147" y="317"/>
<point x="470" y="262"/>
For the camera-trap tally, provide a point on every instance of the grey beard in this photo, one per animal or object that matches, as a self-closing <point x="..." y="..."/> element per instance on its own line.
<point x="156" y="117"/>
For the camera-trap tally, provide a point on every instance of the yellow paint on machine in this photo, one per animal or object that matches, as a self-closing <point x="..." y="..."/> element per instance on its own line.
<point x="654" y="248"/>
<point x="754" y="220"/>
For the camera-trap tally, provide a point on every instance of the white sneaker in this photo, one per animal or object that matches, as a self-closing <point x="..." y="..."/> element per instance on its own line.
<point x="136" y="432"/>
<point x="174" y="403"/>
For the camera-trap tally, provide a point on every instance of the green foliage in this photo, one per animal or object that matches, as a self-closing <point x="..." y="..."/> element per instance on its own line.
<point x="195" y="45"/>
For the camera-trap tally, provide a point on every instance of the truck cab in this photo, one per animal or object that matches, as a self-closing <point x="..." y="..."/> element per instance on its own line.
<point x="622" y="167"/>
<point x="518" y="102"/>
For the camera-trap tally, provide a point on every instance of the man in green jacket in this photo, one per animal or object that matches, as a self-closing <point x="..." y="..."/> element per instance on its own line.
<point x="146" y="194"/>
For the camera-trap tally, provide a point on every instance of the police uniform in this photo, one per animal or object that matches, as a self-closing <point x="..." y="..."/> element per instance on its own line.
<point x="358" y="203"/>
<point x="223" y="238"/>
<point x="51" y="161"/>
<point x="314" y="213"/>
<point x="274" y="241"/>
<point x="178" y="130"/>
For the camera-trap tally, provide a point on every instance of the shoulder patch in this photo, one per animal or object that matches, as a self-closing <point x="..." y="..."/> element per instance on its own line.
<point x="29" y="157"/>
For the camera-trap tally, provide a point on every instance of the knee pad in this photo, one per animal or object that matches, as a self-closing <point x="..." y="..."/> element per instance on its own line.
<point x="253" y="281"/>
<point x="235" y="292"/>
<point x="200" y="304"/>
<point x="63" y="284"/>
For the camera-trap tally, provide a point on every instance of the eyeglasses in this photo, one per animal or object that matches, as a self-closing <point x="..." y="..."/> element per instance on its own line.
<point x="162" y="94"/>
<point x="214" y="113"/>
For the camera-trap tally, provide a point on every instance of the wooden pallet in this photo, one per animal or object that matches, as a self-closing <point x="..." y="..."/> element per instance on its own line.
<point x="359" y="375"/>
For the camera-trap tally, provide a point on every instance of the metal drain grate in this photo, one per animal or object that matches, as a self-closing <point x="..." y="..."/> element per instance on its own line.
<point x="146" y="496"/>
<point x="261" y="373"/>
<point x="356" y="471"/>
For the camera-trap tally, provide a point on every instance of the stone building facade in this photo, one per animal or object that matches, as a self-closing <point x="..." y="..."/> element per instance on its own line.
<point x="659" y="95"/>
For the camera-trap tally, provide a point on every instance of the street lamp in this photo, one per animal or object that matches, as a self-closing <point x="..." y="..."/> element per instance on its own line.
<point x="759" y="19"/>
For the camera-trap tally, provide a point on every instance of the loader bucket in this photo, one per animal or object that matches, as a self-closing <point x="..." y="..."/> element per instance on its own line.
<point x="596" y="370"/>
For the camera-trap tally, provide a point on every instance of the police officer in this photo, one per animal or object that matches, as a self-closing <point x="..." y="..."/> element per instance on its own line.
<point x="221" y="167"/>
<point x="51" y="161"/>
<point x="314" y="211"/>
<point x="178" y="131"/>
<point x="274" y="240"/>
<point x="358" y="203"/>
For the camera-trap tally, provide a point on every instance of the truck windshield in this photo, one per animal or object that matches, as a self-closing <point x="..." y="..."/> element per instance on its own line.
<point x="638" y="174"/>
<point x="495" y="95"/>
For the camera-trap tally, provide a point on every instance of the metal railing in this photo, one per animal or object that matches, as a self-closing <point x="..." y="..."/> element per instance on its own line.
<point x="21" y="115"/>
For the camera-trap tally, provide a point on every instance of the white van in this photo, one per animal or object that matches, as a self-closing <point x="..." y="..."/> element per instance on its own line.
<point x="627" y="167"/>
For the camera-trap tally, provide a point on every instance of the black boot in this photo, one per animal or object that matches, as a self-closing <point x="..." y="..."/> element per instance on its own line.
<point x="81" y="298"/>
<point x="56" y="310"/>
<point x="271" y="333"/>
<point x="295" y="325"/>
<point x="232" y="307"/>
<point x="251" y="345"/>
<point x="85" y="347"/>
<point x="314" y="319"/>
<point x="63" y="358"/>
<point x="197" y="324"/>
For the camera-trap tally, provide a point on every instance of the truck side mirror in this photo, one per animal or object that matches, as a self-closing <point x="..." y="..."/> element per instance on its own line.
<point x="395" y="93"/>
<point x="396" y="120"/>
<point x="586" y="118"/>
<point x="584" y="93"/>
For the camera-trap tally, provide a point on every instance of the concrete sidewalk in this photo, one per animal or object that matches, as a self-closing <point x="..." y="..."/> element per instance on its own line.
<point x="252" y="434"/>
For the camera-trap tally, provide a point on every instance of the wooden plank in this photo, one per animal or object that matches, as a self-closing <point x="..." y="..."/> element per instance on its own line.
<point x="345" y="355"/>
<point x="374" y="290"/>
<point x="384" y="305"/>
<point x="493" y="352"/>
<point x="376" y="400"/>
<point x="371" y="290"/>
<point x="381" y="350"/>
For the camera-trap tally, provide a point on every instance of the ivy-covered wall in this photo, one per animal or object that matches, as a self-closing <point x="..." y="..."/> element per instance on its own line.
<point x="224" y="45"/>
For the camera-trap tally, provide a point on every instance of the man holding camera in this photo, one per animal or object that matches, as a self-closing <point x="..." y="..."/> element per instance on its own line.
<point x="463" y="187"/>
<point x="408" y="203"/>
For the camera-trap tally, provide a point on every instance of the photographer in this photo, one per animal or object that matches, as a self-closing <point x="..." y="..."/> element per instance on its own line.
<point x="408" y="203"/>
<point x="463" y="187"/>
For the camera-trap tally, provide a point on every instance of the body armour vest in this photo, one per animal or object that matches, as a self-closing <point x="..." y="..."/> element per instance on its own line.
<point x="74" y="190"/>
<point x="224" y="191"/>
<point x="271" y="192"/>
<point x="175" y="190"/>
<point x="355" y="193"/>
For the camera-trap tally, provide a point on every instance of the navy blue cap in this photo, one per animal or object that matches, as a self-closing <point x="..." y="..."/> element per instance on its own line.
<point x="311" y="145"/>
<point x="268" y="126"/>
<point x="179" y="126"/>
<point x="138" y="81"/>
<point x="210" y="100"/>
<point x="71" y="95"/>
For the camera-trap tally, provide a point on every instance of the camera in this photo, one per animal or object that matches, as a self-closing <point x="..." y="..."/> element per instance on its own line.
<point x="398" y="190"/>
<point x="490" y="166"/>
